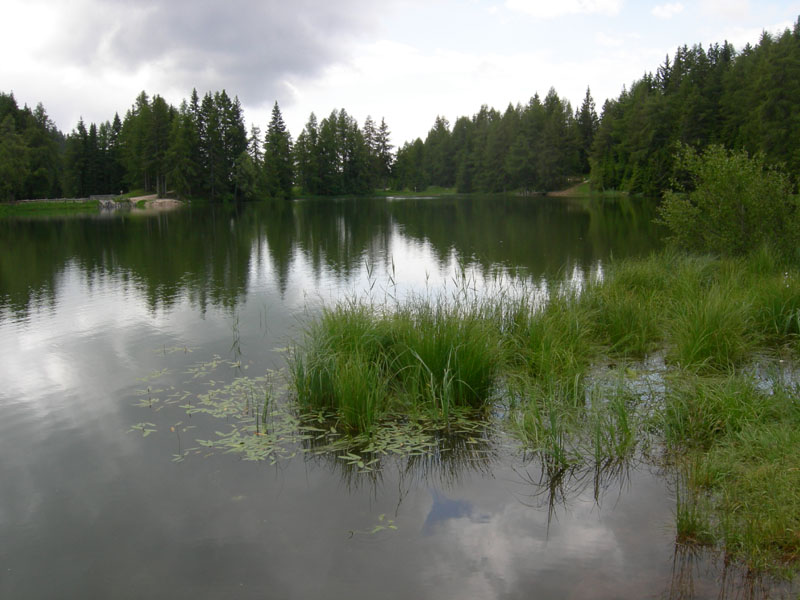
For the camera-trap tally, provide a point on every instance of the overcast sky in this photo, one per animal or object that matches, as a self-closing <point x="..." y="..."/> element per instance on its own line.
<point x="405" y="60"/>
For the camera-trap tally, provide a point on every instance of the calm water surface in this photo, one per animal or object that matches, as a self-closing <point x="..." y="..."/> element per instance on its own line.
<point x="104" y="321"/>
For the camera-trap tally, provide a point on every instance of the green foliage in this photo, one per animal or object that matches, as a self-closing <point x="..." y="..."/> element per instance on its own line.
<point x="444" y="356"/>
<point x="30" y="152"/>
<point x="731" y="204"/>
<point x="745" y="100"/>
<point x="12" y="160"/>
<point x="739" y="442"/>
<point x="531" y="148"/>
<point x="362" y="365"/>
<point x="555" y="344"/>
<point x="710" y="328"/>
<point x="701" y="410"/>
<point x="758" y="483"/>
<point x="628" y="308"/>
<point x="182" y="170"/>
<point x="335" y="157"/>
<point x="278" y="163"/>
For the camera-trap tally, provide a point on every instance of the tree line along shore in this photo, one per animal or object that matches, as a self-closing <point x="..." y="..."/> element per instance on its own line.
<point x="713" y="129"/>
<point x="741" y="99"/>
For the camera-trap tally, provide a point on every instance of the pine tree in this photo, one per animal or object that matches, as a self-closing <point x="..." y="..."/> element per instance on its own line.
<point x="115" y="167"/>
<point x="384" y="154"/>
<point x="12" y="160"/>
<point x="306" y="157"/>
<point x="328" y="157"/>
<point x="43" y="142"/>
<point x="181" y="168"/>
<point x="157" y="143"/>
<point x="211" y="148"/>
<point x="75" y="162"/>
<point x="587" y="124"/>
<point x="254" y="145"/>
<point x="278" y="164"/>
<point x="438" y="155"/>
<point x="370" y="135"/>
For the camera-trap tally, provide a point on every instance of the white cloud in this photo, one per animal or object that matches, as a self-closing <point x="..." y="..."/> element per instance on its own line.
<point x="456" y="83"/>
<point x="608" y="41"/>
<point x="546" y="9"/>
<point x="739" y="36"/>
<point x="667" y="11"/>
<point x="730" y="9"/>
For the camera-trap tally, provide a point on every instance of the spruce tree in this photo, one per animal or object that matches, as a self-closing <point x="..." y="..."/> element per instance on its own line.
<point x="181" y="168"/>
<point x="306" y="157"/>
<point x="587" y="123"/>
<point x="384" y="154"/>
<point x="12" y="160"/>
<point x="278" y="164"/>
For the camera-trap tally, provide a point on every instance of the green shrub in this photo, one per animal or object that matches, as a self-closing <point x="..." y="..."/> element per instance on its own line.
<point x="731" y="204"/>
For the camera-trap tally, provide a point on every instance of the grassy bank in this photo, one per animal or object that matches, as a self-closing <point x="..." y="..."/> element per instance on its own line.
<point x="585" y="190"/>
<point x="433" y="190"/>
<point x="569" y="377"/>
<point x="47" y="209"/>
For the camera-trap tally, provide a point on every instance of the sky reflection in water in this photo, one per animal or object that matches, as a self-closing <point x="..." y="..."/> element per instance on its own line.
<point x="89" y="308"/>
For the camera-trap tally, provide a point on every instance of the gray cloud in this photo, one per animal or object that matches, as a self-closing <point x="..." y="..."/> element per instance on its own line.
<point x="246" y="46"/>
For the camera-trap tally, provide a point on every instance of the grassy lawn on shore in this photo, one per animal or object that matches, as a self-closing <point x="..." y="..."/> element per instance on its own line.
<point x="47" y="209"/>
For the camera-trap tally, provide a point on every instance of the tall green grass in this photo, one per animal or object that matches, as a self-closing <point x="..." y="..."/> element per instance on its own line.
<point x="741" y="444"/>
<point x="628" y="305"/>
<point x="428" y="355"/>
<point x="554" y="345"/>
<point x="444" y="356"/>
<point x="734" y="437"/>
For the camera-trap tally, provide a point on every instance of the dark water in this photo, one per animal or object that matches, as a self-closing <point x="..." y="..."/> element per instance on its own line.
<point x="104" y="322"/>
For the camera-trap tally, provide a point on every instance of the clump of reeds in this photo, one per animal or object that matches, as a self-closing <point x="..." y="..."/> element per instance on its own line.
<point x="741" y="444"/>
<point x="701" y="410"/>
<point x="443" y="356"/>
<point x="710" y="328"/>
<point x="429" y="355"/>
<point x="340" y="369"/>
<point x="554" y="345"/>
<point x="540" y="354"/>
<point x="629" y="303"/>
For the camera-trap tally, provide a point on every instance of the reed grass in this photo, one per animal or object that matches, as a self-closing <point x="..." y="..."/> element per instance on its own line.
<point x="427" y="355"/>
<point x="710" y="329"/>
<point x="444" y="356"/>
<point x="741" y="441"/>
<point x="555" y="344"/>
<point x="701" y="410"/>
<point x="755" y="476"/>
<point x="735" y="436"/>
<point x="692" y="517"/>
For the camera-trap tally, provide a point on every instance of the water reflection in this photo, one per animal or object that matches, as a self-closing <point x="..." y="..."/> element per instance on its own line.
<point x="211" y="254"/>
<point x="703" y="573"/>
<point x="556" y="486"/>
<point x="106" y="323"/>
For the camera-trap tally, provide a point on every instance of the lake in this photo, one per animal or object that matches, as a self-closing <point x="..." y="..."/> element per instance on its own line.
<point x="127" y="336"/>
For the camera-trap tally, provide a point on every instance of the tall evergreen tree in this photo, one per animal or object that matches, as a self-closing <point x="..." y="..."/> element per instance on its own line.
<point x="328" y="156"/>
<point x="157" y="144"/>
<point x="587" y="122"/>
<point x="181" y="169"/>
<point x="12" y="160"/>
<point x="278" y="163"/>
<point x="383" y="152"/>
<point x="306" y="157"/>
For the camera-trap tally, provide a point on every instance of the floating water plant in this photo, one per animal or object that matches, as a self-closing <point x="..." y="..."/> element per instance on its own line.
<point x="567" y="372"/>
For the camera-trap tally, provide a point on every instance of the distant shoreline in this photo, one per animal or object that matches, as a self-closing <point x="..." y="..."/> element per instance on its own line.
<point x="65" y="206"/>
